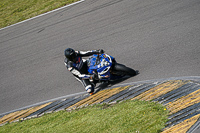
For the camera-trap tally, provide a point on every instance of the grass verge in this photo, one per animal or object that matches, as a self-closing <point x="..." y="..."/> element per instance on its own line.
<point x="127" y="116"/>
<point x="13" y="11"/>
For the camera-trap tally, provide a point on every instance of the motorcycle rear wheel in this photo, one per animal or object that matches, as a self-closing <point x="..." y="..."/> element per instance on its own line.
<point x="123" y="70"/>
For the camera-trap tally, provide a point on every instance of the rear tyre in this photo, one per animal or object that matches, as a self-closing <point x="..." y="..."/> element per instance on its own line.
<point x="123" y="70"/>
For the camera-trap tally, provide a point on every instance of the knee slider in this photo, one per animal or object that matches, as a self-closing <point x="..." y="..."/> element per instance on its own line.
<point x="89" y="88"/>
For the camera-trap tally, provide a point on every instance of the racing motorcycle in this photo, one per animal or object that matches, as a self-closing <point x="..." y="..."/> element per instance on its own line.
<point x="105" y="68"/>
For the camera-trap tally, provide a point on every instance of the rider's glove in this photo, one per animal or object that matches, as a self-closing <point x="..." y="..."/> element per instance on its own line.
<point x="101" y="51"/>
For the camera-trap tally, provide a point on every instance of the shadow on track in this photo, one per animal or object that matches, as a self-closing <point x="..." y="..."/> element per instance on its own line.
<point x="104" y="85"/>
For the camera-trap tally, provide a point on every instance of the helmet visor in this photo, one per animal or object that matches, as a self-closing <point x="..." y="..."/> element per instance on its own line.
<point x="72" y="57"/>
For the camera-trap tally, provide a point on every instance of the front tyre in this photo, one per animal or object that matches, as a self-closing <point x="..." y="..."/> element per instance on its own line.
<point x="123" y="70"/>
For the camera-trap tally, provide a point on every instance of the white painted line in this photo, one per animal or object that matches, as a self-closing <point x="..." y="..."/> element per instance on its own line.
<point x="40" y="103"/>
<point x="43" y="14"/>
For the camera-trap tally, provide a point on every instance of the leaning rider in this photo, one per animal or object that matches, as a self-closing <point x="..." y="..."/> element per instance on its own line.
<point x="78" y="66"/>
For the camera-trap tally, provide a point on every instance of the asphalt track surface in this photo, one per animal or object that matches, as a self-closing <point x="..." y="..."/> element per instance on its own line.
<point x="159" y="38"/>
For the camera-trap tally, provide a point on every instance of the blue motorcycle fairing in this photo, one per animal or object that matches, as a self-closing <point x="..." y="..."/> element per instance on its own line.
<point x="100" y="66"/>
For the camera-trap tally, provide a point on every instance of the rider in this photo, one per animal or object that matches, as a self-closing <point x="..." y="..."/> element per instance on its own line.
<point x="78" y="66"/>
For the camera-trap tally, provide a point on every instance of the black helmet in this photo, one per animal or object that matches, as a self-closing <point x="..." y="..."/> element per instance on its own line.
<point x="70" y="54"/>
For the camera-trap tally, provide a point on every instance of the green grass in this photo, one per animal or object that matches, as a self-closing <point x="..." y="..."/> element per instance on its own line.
<point x="13" y="11"/>
<point x="128" y="116"/>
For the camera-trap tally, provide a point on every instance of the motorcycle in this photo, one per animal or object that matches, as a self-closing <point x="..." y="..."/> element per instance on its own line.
<point x="105" y="68"/>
